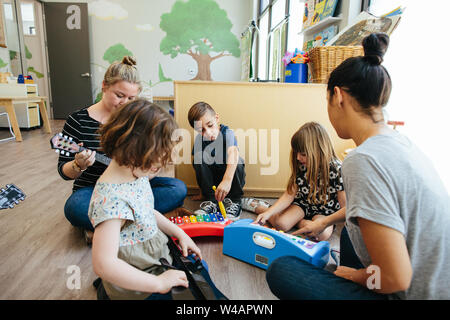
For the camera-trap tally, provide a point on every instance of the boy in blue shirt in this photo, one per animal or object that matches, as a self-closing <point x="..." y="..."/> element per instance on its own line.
<point x="216" y="162"/>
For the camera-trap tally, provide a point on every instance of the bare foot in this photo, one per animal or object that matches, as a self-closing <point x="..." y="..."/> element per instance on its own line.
<point x="198" y="197"/>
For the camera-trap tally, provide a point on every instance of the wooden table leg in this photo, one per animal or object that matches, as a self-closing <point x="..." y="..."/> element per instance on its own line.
<point x="12" y="118"/>
<point x="44" y="115"/>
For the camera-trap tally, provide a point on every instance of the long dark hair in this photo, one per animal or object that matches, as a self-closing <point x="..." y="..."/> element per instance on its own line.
<point x="364" y="78"/>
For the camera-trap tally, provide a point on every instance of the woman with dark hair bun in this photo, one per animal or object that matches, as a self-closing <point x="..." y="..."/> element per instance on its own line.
<point x="395" y="244"/>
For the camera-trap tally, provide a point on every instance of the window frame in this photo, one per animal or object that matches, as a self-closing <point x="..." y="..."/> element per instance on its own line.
<point x="268" y="10"/>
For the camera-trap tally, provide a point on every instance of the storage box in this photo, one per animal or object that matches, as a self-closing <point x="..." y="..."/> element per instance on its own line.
<point x="296" y="73"/>
<point x="325" y="59"/>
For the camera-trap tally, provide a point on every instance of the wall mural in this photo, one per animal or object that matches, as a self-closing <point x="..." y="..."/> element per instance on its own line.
<point x="116" y="53"/>
<point x="198" y="28"/>
<point x="2" y="63"/>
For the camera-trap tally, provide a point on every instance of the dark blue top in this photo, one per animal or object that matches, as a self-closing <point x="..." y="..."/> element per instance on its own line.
<point x="214" y="152"/>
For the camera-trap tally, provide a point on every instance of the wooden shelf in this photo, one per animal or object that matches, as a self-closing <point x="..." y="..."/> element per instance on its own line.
<point x="163" y="98"/>
<point x="320" y="25"/>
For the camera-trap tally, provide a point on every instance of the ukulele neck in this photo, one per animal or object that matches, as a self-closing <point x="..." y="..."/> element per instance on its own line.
<point x="99" y="157"/>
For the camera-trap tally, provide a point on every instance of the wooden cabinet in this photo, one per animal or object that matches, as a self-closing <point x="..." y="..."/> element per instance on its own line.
<point x="27" y="113"/>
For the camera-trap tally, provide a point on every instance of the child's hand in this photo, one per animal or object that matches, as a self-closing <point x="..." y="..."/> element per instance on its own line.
<point x="187" y="245"/>
<point x="223" y="189"/>
<point x="262" y="218"/>
<point x="170" y="279"/>
<point x="313" y="229"/>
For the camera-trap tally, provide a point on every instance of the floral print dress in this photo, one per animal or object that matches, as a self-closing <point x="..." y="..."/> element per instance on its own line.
<point x="141" y="244"/>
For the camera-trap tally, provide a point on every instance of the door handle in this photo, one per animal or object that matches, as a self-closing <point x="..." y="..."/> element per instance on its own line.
<point x="85" y="75"/>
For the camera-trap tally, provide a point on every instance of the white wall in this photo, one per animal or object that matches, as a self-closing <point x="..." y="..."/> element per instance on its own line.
<point x="419" y="68"/>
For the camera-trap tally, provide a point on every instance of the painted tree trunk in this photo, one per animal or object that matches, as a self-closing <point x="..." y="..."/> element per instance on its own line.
<point x="204" y="67"/>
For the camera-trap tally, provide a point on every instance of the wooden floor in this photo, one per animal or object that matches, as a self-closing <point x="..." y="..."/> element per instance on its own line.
<point x="38" y="244"/>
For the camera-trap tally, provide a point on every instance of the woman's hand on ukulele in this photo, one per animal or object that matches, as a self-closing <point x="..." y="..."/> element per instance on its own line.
<point x="170" y="279"/>
<point x="85" y="159"/>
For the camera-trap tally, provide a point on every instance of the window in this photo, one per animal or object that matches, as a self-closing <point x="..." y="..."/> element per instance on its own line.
<point x="296" y="9"/>
<point x="263" y="5"/>
<point x="262" y="46"/>
<point x="278" y="12"/>
<point x="27" y="11"/>
<point x="272" y="38"/>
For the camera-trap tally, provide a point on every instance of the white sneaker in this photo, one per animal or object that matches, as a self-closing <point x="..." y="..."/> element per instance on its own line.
<point x="206" y="207"/>
<point x="250" y="204"/>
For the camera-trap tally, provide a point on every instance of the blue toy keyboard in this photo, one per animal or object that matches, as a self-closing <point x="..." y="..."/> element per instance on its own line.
<point x="260" y="245"/>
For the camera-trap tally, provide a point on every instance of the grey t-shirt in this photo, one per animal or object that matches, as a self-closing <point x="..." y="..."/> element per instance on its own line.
<point x="389" y="181"/>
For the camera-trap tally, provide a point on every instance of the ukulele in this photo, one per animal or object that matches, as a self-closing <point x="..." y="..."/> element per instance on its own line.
<point x="65" y="145"/>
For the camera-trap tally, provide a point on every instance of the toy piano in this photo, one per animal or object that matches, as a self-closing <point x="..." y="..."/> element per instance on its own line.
<point x="260" y="245"/>
<point x="202" y="225"/>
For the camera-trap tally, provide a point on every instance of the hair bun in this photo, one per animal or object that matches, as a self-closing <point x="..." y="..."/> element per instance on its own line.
<point x="129" y="60"/>
<point x="375" y="46"/>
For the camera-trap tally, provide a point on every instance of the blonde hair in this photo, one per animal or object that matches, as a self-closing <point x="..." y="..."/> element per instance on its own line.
<point x="312" y="140"/>
<point x="122" y="71"/>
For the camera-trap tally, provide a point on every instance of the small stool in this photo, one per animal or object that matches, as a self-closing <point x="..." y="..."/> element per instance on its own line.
<point x="10" y="129"/>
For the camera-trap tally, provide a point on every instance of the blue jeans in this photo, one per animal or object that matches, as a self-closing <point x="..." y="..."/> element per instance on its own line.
<point x="291" y="278"/>
<point x="169" y="193"/>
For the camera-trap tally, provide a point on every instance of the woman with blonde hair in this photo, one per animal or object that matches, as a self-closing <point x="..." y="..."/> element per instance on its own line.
<point x="120" y="85"/>
<point x="315" y="187"/>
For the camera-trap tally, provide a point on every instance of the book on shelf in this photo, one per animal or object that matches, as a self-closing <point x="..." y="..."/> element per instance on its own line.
<point x="398" y="10"/>
<point x="364" y="24"/>
<point x="308" y="13"/>
<point x="321" y="38"/>
<point x="328" y="9"/>
<point x="316" y="11"/>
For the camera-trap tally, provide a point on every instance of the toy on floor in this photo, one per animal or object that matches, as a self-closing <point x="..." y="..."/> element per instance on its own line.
<point x="202" y="225"/>
<point x="259" y="245"/>
<point x="10" y="196"/>
<point x="221" y="206"/>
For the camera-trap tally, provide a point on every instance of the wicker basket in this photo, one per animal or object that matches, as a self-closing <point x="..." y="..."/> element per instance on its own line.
<point x="323" y="60"/>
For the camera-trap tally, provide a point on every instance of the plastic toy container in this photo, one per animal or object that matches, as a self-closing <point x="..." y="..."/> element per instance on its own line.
<point x="296" y="73"/>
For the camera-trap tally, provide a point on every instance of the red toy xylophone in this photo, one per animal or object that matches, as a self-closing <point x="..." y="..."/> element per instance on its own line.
<point x="202" y="225"/>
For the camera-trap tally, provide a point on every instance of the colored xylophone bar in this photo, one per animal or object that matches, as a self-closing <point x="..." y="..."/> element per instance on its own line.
<point x="202" y="225"/>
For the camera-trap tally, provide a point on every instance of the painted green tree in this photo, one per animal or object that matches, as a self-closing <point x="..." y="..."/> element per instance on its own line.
<point x="116" y="53"/>
<point x="200" y="29"/>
